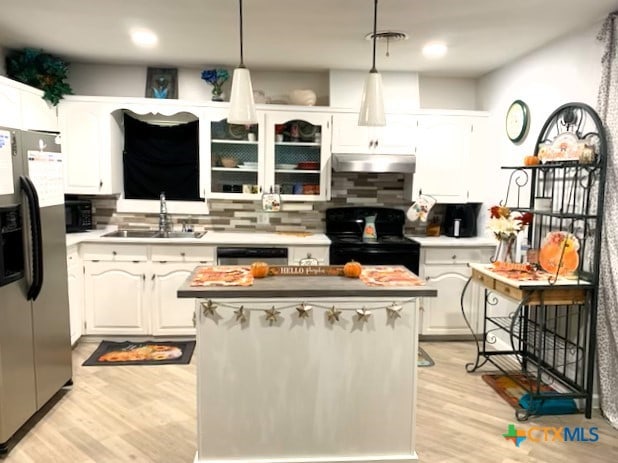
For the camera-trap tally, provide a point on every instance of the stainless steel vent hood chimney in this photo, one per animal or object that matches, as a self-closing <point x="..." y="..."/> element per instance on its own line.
<point x="367" y="162"/>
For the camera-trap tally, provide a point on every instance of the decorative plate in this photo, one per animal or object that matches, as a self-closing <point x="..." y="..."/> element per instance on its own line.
<point x="559" y="253"/>
<point x="237" y="131"/>
<point x="307" y="131"/>
<point x="565" y="147"/>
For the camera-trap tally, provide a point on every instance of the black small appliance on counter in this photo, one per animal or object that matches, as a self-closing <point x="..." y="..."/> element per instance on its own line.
<point x="460" y="220"/>
<point x="77" y="215"/>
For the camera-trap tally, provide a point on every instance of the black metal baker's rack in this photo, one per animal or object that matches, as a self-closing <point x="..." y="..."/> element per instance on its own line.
<point x="554" y="343"/>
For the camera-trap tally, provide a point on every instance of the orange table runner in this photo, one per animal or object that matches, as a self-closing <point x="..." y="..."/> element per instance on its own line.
<point x="222" y="275"/>
<point x="389" y="276"/>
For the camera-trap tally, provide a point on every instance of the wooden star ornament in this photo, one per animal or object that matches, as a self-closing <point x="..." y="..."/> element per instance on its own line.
<point x="363" y="315"/>
<point x="241" y="314"/>
<point x="272" y="315"/>
<point x="333" y="314"/>
<point x="394" y="311"/>
<point x="304" y="310"/>
<point x="209" y="308"/>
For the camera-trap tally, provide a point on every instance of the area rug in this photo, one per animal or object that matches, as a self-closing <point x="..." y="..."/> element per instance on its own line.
<point x="423" y="359"/>
<point x="510" y="387"/>
<point x="141" y="353"/>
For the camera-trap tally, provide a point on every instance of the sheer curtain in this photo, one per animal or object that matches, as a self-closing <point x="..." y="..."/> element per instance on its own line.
<point x="607" y="322"/>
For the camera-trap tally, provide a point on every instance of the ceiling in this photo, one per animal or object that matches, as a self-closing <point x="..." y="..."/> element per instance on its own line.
<point x="297" y="35"/>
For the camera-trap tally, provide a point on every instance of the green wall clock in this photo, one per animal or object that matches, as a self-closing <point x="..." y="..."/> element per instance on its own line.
<point x="517" y="120"/>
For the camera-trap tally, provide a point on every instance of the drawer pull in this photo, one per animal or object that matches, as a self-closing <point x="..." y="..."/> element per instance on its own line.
<point x="182" y="254"/>
<point x="114" y="253"/>
<point x="454" y="256"/>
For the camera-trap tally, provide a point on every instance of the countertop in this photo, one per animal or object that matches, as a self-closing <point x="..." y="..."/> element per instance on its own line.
<point x="445" y="241"/>
<point x="210" y="238"/>
<point x="304" y="286"/>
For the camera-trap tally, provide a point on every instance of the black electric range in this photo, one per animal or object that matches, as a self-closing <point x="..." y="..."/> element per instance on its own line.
<point x="345" y="225"/>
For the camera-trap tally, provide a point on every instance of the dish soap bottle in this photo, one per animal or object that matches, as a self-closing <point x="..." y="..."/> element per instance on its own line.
<point x="369" y="232"/>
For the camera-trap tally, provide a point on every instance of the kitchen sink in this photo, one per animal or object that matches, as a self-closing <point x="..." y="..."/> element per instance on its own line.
<point x="132" y="234"/>
<point x="152" y="234"/>
<point x="179" y="234"/>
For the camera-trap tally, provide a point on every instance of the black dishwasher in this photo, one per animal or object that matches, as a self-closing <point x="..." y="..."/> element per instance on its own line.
<point x="242" y="255"/>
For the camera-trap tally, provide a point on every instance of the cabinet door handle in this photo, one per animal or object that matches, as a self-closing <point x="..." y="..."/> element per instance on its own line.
<point x="100" y="184"/>
<point x="370" y="143"/>
<point x="427" y="278"/>
<point x="182" y="254"/>
<point x="194" y="319"/>
<point x="114" y="253"/>
<point x="454" y="256"/>
<point x="375" y="144"/>
<point x="143" y="276"/>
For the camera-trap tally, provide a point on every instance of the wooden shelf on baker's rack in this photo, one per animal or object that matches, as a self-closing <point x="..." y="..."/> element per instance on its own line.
<point x="563" y="291"/>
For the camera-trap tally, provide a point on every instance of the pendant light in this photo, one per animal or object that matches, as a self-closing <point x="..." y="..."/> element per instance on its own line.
<point x="242" y="105"/>
<point x="372" y="104"/>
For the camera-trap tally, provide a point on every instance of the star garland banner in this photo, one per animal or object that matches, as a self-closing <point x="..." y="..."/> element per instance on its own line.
<point x="303" y="311"/>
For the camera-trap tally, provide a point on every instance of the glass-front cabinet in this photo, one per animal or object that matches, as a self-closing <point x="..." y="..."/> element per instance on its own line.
<point x="285" y="152"/>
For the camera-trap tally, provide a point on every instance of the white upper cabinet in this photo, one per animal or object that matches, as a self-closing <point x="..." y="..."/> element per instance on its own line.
<point x="92" y="141"/>
<point x="36" y="113"/>
<point x="285" y="150"/>
<point x="445" y="167"/>
<point x="10" y="102"/>
<point x="23" y="107"/>
<point x="398" y="136"/>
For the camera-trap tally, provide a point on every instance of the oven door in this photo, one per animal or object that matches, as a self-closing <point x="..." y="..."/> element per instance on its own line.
<point x="408" y="257"/>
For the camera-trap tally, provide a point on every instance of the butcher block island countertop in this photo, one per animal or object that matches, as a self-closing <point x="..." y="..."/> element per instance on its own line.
<point x="300" y="369"/>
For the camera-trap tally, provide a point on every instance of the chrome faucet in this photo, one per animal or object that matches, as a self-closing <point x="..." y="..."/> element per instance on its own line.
<point x="164" y="220"/>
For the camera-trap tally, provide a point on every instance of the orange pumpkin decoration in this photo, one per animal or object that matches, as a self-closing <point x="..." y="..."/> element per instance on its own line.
<point x="259" y="269"/>
<point x="531" y="160"/>
<point x="352" y="269"/>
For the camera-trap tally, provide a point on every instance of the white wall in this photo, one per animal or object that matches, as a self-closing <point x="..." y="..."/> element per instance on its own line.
<point x="567" y="70"/>
<point x="401" y="92"/>
<point x="124" y="80"/>
<point x="447" y="93"/>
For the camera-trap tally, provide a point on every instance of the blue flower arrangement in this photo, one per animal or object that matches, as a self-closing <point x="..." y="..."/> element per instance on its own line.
<point x="216" y="78"/>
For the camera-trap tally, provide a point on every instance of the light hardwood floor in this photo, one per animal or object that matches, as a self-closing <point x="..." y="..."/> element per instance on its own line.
<point x="148" y="414"/>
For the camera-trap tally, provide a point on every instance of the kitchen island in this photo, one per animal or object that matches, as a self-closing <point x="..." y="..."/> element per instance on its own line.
<point x="306" y="369"/>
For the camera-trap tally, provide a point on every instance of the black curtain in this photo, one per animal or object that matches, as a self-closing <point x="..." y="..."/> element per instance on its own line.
<point x="161" y="158"/>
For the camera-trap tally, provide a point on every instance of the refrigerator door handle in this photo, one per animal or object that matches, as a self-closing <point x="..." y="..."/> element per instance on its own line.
<point x="37" y="238"/>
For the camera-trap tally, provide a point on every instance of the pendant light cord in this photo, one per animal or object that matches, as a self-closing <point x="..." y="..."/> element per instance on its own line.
<point x="242" y="64"/>
<point x="375" y="31"/>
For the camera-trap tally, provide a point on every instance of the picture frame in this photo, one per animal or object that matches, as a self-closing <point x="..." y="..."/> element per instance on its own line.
<point x="162" y="83"/>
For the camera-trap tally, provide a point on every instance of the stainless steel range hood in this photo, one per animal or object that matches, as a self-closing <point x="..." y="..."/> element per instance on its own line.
<point x="393" y="163"/>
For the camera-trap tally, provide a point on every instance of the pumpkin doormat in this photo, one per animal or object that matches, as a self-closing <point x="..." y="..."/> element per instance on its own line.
<point x="141" y="353"/>
<point x="424" y="360"/>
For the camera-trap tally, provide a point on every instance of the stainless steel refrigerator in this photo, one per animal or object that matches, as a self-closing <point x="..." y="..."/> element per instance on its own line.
<point x="35" y="346"/>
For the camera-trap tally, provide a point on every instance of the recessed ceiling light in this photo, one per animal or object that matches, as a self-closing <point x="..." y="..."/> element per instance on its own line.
<point x="144" y="38"/>
<point x="435" y="50"/>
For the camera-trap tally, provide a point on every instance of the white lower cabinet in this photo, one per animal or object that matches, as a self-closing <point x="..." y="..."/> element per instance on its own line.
<point x="446" y="268"/>
<point x="170" y="315"/>
<point x="171" y="265"/>
<point x="75" y="283"/>
<point x="116" y="299"/>
<point x="131" y="289"/>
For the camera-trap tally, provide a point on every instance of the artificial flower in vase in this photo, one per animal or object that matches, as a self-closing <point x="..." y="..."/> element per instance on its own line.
<point x="505" y="226"/>
<point x="216" y="78"/>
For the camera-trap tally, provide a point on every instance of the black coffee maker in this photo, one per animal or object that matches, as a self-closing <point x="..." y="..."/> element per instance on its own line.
<point x="460" y="219"/>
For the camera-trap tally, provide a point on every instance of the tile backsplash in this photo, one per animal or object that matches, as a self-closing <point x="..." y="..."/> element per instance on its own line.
<point x="349" y="189"/>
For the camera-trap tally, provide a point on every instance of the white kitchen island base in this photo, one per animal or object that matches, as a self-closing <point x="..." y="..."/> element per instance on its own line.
<point x="305" y="389"/>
